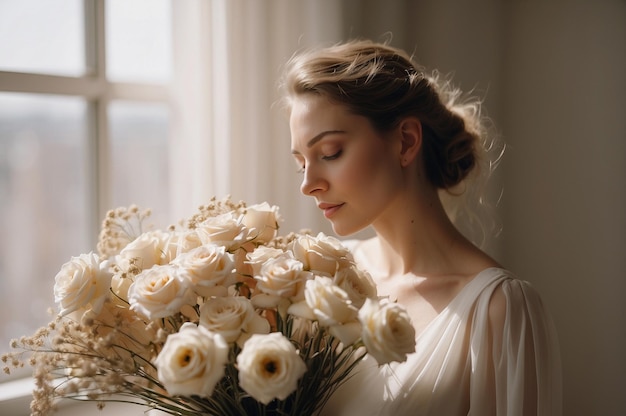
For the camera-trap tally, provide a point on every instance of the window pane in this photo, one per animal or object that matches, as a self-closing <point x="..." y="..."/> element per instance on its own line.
<point x="44" y="192"/>
<point x="42" y="36"/>
<point x="139" y="157"/>
<point x="138" y="40"/>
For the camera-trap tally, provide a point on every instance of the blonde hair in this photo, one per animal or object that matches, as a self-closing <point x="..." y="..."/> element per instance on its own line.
<point x="385" y="85"/>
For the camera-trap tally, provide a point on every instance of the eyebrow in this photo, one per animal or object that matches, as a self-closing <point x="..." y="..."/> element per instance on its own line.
<point x="319" y="137"/>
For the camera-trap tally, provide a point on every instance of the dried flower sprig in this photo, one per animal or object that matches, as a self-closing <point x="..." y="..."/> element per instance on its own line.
<point x="214" y="208"/>
<point x="120" y="227"/>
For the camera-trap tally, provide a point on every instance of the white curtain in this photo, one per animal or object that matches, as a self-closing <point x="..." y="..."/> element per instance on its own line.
<point x="230" y="136"/>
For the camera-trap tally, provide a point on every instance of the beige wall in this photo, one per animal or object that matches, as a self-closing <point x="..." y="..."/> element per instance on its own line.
<point x="555" y="77"/>
<point x="565" y="210"/>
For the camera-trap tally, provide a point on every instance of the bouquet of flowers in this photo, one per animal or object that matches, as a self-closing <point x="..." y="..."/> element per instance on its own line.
<point x="217" y="315"/>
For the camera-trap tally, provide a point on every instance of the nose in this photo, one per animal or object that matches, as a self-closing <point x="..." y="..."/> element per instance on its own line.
<point x="312" y="182"/>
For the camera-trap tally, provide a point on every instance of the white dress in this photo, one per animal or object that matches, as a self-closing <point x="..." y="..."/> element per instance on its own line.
<point x="462" y="367"/>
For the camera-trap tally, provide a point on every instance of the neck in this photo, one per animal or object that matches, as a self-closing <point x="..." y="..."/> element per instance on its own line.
<point x="416" y="236"/>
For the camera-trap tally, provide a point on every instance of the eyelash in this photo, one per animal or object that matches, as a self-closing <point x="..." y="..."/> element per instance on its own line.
<point x="333" y="156"/>
<point x="325" y="158"/>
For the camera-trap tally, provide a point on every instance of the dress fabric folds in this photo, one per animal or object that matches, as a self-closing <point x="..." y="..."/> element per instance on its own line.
<point x="466" y="363"/>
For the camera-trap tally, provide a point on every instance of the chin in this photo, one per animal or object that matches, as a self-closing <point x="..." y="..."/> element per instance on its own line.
<point x="345" y="230"/>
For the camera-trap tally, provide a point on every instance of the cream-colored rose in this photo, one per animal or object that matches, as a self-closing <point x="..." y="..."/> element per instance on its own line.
<point x="182" y="241"/>
<point x="388" y="334"/>
<point x="357" y="283"/>
<point x="82" y="283"/>
<point x="233" y="317"/>
<point x="225" y="229"/>
<point x="192" y="361"/>
<point x="269" y="367"/>
<point x="322" y="254"/>
<point x="208" y="265"/>
<point x="262" y="221"/>
<point x="149" y="248"/>
<point x="160" y="291"/>
<point x="331" y="306"/>
<point x="260" y="255"/>
<point x="282" y="277"/>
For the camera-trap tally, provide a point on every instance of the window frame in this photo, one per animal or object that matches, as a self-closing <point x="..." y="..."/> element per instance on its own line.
<point x="98" y="92"/>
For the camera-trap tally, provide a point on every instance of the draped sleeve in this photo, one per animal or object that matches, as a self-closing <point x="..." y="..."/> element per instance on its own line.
<point x="515" y="359"/>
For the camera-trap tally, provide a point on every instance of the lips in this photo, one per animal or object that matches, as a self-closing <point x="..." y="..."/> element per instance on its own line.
<point x="329" y="209"/>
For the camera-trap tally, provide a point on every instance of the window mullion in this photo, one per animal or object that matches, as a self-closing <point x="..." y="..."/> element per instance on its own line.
<point x="94" y="60"/>
<point x="96" y="42"/>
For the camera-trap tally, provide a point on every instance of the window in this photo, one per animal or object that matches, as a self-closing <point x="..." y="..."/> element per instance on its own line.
<point x="44" y="201"/>
<point x="138" y="144"/>
<point x="84" y="127"/>
<point x="57" y="46"/>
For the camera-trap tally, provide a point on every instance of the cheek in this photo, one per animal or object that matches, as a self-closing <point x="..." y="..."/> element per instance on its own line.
<point x="376" y="169"/>
<point x="355" y="176"/>
<point x="369" y="187"/>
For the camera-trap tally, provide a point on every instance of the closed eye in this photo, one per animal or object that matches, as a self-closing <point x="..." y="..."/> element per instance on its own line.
<point x="333" y="156"/>
<point x="301" y="166"/>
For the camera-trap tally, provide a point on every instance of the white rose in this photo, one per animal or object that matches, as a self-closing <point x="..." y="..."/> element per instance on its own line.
<point x="224" y="229"/>
<point x="192" y="361"/>
<point x="259" y="256"/>
<point x="160" y="291"/>
<point x="269" y="367"/>
<point x="233" y="317"/>
<point x="149" y="248"/>
<point x="282" y="277"/>
<point x="208" y="265"/>
<point x="357" y="283"/>
<point x="322" y="254"/>
<point x="331" y="306"/>
<point x="185" y="241"/>
<point x="388" y="334"/>
<point x="82" y="282"/>
<point x="262" y="221"/>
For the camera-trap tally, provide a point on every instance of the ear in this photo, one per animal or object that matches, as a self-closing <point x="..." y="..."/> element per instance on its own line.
<point x="411" y="140"/>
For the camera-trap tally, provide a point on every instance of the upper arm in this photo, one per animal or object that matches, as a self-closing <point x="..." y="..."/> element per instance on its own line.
<point x="496" y="314"/>
<point x="525" y="352"/>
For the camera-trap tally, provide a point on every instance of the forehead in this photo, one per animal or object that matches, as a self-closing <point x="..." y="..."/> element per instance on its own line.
<point x="306" y="106"/>
<point x="312" y="114"/>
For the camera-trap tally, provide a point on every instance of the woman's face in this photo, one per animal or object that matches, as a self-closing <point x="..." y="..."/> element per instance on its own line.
<point x="351" y="170"/>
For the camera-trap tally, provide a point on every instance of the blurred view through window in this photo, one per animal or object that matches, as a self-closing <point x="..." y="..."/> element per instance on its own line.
<point x="75" y="147"/>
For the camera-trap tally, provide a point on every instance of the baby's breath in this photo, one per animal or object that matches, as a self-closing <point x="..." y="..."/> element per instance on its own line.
<point x="120" y="227"/>
<point x="214" y="208"/>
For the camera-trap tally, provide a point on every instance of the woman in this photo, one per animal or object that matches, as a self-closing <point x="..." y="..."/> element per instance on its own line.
<point x="378" y="143"/>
